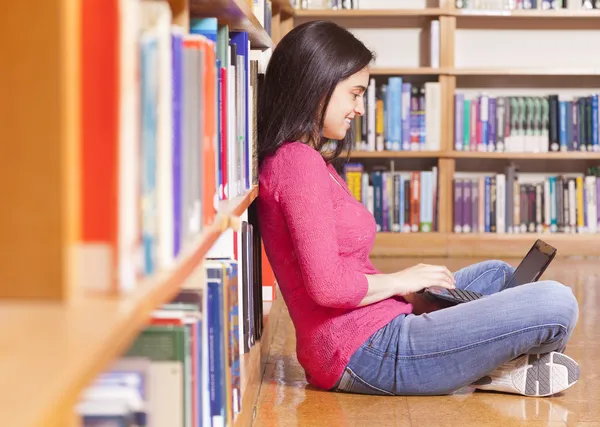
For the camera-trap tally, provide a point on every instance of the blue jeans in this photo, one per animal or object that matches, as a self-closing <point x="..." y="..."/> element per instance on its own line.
<point x="442" y="351"/>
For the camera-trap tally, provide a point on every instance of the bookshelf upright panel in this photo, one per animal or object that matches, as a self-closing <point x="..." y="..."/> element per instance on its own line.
<point x="38" y="169"/>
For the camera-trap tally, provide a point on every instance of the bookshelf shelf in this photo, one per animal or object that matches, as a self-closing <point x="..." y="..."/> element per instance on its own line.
<point x="81" y="338"/>
<point x="368" y="13"/>
<point x="574" y="155"/>
<point x="396" y="154"/>
<point x="235" y="13"/>
<point x="388" y="244"/>
<point x="547" y="71"/>
<point x="479" y="244"/>
<point x="507" y="245"/>
<point x="421" y="71"/>
<point x="285" y="7"/>
<point x="537" y="14"/>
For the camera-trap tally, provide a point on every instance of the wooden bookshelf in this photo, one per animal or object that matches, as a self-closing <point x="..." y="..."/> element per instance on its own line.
<point x="492" y="245"/>
<point x="284" y="7"/>
<point x="420" y="71"/>
<point x="67" y="345"/>
<point x="55" y="334"/>
<point x="487" y="245"/>
<point x="396" y="154"/>
<point x="367" y="13"/>
<point x="450" y="76"/>
<point x="235" y="13"/>
<point x="567" y="155"/>
<point x="463" y="14"/>
<point x="560" y="155"/>
<point x="546" y="71"/>
<point x="410" y="244"/>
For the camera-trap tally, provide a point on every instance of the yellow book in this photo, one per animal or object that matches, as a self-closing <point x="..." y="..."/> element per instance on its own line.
<point x="580" y="220"/>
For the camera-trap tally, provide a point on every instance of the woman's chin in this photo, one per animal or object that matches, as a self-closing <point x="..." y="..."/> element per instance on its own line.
<point x="336" y="135"/>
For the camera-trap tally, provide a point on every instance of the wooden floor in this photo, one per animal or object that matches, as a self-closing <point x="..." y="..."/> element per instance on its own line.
<point x="286" y="400"/>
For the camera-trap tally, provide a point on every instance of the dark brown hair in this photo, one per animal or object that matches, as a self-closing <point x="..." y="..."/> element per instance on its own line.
<point x="303" y="71"/>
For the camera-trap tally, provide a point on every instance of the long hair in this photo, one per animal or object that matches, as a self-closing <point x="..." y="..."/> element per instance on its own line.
<point x="303" y="71"/>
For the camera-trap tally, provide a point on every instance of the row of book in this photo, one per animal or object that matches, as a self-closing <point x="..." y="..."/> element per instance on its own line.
<point x="512" y="202"/>
<point x="183" y="369"/>
<point x="399" y="116"/>
<point x="326" y="4"/>
<point x="527" y="4"/>
<point x="552" y="123"/>
<point x="403" y="201"/>
<point x="168" y="130"/>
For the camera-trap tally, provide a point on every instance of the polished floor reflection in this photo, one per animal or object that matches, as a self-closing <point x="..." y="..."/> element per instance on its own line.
<point x="286" y="399"/>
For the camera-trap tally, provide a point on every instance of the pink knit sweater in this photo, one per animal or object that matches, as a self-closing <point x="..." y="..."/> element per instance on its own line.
<point x="318" y="237"/>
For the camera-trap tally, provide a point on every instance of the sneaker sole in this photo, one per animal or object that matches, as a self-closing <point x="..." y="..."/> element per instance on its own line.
<point x="546" y="374"/>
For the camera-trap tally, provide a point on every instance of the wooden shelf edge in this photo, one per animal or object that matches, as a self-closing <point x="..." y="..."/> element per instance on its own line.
<point x="408" y="71"/>
<point x="568" y="155"/>
<point x="80" y="339"/>
<point x="537" y="14"/>
<point x="389" y="244"/>
<point x="547" y="71"/>
<point x="561" y="155"/>
<point x="235" y="13"/>
<point x="395" y="154"/>
<point x="284" y="7"/>
<point x="511" y="245"/>
<point x="237" y="205"/>
<point x="371" y="13"/>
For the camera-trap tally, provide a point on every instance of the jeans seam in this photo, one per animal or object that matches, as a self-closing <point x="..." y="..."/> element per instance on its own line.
<point x="495" y="270"/>
<point x="466" y="347"/>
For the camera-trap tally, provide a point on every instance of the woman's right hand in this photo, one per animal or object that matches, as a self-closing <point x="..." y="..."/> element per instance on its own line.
<point x="421" y="276"/>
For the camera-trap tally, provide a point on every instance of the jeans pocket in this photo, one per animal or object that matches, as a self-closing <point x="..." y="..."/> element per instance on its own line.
<point x="352" y="383"/>
<point x="373" y="338"/>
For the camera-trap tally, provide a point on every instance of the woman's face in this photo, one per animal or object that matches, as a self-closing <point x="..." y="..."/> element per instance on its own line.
<point x="346" y="102"/>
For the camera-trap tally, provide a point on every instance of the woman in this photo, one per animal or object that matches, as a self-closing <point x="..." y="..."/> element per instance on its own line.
<point x="356" y="330"/>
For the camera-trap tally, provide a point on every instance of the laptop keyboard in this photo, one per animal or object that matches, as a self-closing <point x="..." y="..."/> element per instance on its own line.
<point x="464" y="295"/>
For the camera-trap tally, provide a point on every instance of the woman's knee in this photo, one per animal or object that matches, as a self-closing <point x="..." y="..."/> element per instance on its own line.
<point x="560" y="300"/>
<point x="496" y="264"/>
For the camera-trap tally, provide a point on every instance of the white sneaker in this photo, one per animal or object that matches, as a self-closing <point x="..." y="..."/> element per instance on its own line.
<point x="532" y="375"/>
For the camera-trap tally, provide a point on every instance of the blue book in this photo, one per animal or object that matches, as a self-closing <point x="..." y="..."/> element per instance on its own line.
<point x="594" y="98"/>
<point x="205" y="26"/>
<point x="487" y="204"/>
<point x="149" y="86"/>
<point x="177" y="64"/>
<point x="395" y="112"/>
<point x="562" y="125"/>
<point x="216" y="345"/>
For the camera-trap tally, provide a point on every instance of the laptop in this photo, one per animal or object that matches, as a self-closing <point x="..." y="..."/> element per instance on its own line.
<point x="529" y="270"/>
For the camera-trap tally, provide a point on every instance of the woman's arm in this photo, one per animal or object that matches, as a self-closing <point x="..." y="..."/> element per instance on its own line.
<point x="407" y="282"/>
<point x="303" y="192"/>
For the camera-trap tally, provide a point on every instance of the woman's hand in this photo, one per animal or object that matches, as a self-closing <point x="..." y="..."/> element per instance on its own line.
<point x="406" y="283"/>
<point x="418" y="277"/>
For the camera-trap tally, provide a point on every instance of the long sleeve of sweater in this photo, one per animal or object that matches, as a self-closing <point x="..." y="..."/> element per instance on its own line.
<point x="305" y="198"/>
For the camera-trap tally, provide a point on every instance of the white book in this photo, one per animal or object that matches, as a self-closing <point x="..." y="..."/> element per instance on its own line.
<point x="434" y="52"/>
<point x="592" y="212"/>
<point x="371" y="114"/>
<point x="500" y="203"/>
<point x="433" y="116"/>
